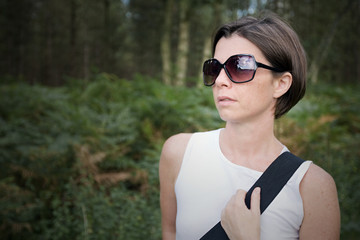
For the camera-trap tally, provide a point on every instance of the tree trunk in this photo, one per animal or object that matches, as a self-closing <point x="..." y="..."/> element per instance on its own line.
<point x="323" y="48"/>
<point x="183" y="45"/>
<point x="47" y="71"/>
<point x="259" y="6"/>
<point x="73" y="28"/>
<point x="216" y="20"/>
<point x="106" y="39"/>
<point x="206" y="55"/>
<point x="72" y="56"/>
<point x="166" y="44"/>
<point x="86" y="55"/>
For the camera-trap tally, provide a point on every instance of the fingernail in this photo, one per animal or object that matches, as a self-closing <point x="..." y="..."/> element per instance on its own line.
<point x="257" y="190"/>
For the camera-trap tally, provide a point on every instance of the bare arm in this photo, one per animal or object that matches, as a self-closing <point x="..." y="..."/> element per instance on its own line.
<point x="321" y="206"/>
<point x="169" y="167"/>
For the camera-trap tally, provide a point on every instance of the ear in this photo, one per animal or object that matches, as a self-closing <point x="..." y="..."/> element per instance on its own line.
<point x="282" y="84"/>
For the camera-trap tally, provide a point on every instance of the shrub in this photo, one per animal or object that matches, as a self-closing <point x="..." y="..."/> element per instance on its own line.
<point x="325" y="127"/>
<point x="81" y="161"/>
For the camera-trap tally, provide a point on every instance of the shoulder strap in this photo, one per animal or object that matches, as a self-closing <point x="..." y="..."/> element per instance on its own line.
<point x="271" y="182"/>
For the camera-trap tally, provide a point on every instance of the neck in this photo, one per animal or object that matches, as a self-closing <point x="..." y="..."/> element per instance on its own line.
<point x="252" y="144"/>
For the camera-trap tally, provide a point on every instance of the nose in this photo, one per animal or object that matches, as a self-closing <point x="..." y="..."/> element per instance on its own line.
<point x="223" y="79"/>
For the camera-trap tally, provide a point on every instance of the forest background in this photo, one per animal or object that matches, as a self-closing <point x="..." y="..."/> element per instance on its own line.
<point x="90" y="90"/>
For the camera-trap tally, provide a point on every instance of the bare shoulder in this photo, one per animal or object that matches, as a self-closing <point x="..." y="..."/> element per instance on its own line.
<point x="175" y="145"/>
<point x="321" y="205"/>
<point x="317" y="178"/>
<point x="173" y="152"/>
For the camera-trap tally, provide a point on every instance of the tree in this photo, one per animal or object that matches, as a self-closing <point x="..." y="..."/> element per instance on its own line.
<point x="183" y="43"/>
<point x="47" y="41"/>
<point x="166" y="43"/>
<point x="325" y="42"/>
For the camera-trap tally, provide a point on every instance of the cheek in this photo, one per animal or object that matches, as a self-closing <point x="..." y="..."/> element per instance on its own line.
<point x="262" y="92"/>
<point x="255" y="90"/>
<point x="260" y="95"/>
<point x="264" y="86"/>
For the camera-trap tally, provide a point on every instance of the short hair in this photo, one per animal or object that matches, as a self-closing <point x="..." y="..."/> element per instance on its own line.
<point x="281" y="47"/>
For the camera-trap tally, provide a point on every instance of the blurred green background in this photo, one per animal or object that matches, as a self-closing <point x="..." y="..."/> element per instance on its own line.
<point x="90" y="90"/>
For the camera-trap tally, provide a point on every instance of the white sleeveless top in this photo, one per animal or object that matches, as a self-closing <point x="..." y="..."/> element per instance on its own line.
<point x="206" y="182"/>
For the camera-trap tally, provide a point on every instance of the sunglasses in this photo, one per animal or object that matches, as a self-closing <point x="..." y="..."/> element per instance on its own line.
<point x="239" y="68"/>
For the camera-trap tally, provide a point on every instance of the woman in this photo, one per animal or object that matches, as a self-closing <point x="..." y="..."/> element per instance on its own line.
<point x="258" y="73"/>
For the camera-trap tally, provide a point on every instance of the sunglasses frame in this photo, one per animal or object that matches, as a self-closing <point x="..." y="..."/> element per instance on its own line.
<point x="223" y="65"/>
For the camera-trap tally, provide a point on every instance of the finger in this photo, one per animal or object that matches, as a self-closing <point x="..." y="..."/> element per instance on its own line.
<point x="236" y="200"/>
<point x="240" y="195"/>
<point x="255" y="201"/>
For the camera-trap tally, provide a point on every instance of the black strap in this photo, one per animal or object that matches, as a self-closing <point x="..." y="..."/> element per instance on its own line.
<point x="271" y="182"/>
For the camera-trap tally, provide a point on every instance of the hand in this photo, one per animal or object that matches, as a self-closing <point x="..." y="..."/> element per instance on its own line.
<point x="239" y="222"/>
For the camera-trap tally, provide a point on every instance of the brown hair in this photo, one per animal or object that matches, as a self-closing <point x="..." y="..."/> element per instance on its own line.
<point x="281" y="47"/>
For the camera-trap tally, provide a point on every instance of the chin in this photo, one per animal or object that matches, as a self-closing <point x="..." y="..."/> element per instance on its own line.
<point x="230" y="118"/>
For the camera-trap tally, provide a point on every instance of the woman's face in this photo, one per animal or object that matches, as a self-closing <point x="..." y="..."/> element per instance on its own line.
<point x="243" y="102"/>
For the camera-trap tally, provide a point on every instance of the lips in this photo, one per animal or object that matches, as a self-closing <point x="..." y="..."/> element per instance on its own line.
<point x="225" y="99"/>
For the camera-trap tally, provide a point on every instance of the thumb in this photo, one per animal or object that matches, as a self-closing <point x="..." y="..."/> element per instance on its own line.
<point x="255" y="201"/>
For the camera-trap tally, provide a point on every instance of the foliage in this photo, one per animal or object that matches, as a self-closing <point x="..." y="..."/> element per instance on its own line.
<point x="46" y="41"/>
<point x="325" y="127"/>
<point x="80" y="161"/>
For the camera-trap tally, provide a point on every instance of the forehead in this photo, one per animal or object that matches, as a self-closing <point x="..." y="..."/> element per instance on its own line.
<point x="235" y="44"/>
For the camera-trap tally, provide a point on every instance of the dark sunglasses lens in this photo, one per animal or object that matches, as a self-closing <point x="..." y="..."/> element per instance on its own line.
<point x="211" y="70"/>
<point x="241" y="68"/>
